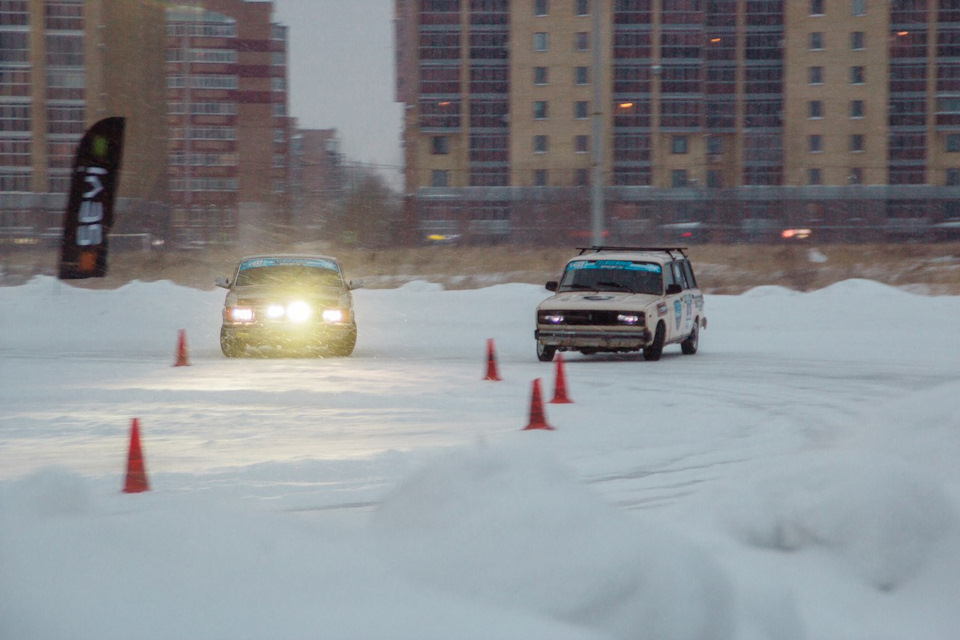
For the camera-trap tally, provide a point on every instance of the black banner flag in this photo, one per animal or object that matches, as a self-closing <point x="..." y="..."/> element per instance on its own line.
<point x="89" y="213"/>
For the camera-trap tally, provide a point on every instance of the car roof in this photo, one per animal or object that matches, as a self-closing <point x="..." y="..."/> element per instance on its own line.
<point x="309" y="256"/>
<point x="647" y="254"/>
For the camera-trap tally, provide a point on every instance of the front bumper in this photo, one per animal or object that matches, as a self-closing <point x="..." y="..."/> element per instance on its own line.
<point x="287" y="333"/>
<point x="593" y="337"/>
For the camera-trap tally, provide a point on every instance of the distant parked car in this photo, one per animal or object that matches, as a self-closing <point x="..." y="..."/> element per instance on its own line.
<point x="290" y="303"/>
<point x="620" y="299"/>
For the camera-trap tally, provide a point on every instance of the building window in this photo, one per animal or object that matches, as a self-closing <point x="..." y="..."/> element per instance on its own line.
<point x="857" y="8"/>
<point x="856" y="176"/>
<point x="857" y="39"/>
<point x="540" y="144"/>
<point x="678" y="178"/>
<point x="581" y="75"/>
<point x="581" y="7"/>
<point x="540" y="41"/>
<point x="539" y="75"/>
<point x="540" y="7"/>
<point x="714" y="145"/>
<point x="816" y="75"/>
<point x="581" y="144"/>
<point x="952" y="178"/>
<point x="581" y="177"/>
<point x="856" y="108"/>
<point x="857" y="75"/>
<point x="714" y="179"/>
<point x="440" y="178"/>
<point x="813" y="177"/>
<point x="581" y="41"/>
<point x="815" y="109"/>
<point x="678" y="144"/>
<point x="580" y="109"/>
<point x="540" y="177"/>
<point x="814" y="143"/>
<point x="856" y="142"/>
<point x="441" y="145"/>
<point x="952" y="143"/>
<point x="816" y="40"/>
<point x="816" y="7"/>
<point x="540" y="110"/>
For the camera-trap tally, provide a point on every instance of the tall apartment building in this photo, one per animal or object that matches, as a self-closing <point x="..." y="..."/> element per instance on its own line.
<point x="737" y="115"/>
<point x="64" y="64"/>
<point x="227" y="105"/>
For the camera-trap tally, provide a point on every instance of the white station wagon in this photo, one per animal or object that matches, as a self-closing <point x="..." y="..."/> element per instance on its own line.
<point x="620" y="299"/>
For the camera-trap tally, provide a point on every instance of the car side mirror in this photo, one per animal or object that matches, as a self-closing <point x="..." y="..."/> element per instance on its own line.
<point x="674" y="289"/>
<point x="354" y="284"/>
<point x="551" y="285"/>
<point x="222" y="282"/>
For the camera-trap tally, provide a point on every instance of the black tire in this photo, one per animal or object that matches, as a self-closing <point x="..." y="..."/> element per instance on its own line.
<point x="690" y="345"/>
<point x="545" y="352"/>
<point x="343" y="347"/>
<point x="231" y="347"/>
<point x="654" y="350"/>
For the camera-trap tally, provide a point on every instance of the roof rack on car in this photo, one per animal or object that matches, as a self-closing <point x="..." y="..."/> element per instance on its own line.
<point x="598" y="248"/>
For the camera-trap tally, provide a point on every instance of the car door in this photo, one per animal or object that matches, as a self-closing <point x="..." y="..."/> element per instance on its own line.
<point x="677" y="322"/>
<point x="695" y="297"/>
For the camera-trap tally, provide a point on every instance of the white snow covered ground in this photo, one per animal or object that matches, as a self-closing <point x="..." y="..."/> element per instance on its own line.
<point x="798" y="478"/>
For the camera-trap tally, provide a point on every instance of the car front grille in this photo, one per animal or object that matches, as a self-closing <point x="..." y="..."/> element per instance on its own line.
<point x="581" y="317"/>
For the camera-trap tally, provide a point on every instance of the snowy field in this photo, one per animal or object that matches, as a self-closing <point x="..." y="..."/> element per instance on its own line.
<point x="796" y="479"/>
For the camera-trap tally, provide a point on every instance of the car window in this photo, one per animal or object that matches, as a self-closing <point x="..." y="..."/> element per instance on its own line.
<point x="612" y="275"/>
<point x="688" y="272"/>
<point x="678" y="275"/>
<point x="288" y="274"/>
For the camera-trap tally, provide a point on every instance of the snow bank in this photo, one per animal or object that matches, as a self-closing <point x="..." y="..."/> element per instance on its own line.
<point x="514" y="528"/>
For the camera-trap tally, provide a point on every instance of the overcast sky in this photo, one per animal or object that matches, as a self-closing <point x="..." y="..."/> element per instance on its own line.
<point x="341" y="74"/>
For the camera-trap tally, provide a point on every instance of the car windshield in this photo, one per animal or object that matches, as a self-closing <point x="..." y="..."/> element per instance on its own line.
<point x="612" y="275"/>
<point x="288" y="275"/>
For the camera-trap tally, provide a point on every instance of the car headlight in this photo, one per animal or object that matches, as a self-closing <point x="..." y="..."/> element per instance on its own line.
<point x="239" y="314"/>
<point x="298" y="311"/>
<point x="547" y="317"/>
<point x="629" y="318"/>
<point x="275" y="311"/>
<point x="333" y="315"/>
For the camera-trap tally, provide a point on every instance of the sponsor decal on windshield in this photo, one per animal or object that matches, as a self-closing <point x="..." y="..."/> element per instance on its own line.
<point x="625" y="265"/>
<point x="273" y="262"/>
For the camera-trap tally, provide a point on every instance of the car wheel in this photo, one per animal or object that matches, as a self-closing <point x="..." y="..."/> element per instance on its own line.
<point x="654" y="350"/>
<point x="545" y="352"/>
<point x="231" y="347"/>
<point x="343" y="347"/>
<point x="689" y="346"/>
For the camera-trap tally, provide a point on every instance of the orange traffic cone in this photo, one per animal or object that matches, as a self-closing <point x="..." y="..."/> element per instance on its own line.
<point x="537" y="419"/>
<point x="136" y="474"/>
<point x="560" y="386"/>
<point x="491" y="362"/>
<point x="182" y="350"/>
